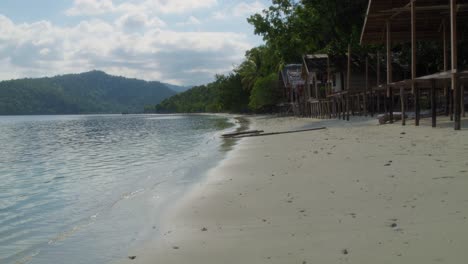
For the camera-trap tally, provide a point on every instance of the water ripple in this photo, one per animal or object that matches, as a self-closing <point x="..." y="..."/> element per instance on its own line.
<point x="59" y="173"/>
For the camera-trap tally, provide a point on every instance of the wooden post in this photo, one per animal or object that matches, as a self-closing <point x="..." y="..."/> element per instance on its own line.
<point x="347" y="107"/>
<point x="367" y="86"/>
<point x="343" y="107"/>
<point x="417" y="105"/>
<point x="455" y="86"/>
<point x="359" y="111"/>
<point x="330" y="83"/>
<point x="378" y="81"/>
<point x="451" y="108"/>
<point x="390" y="104"/>
<point x="414" y="89"/>
<point x="389" y="71"/>
<point x="338" y="113"/>
<point x="348" y="82"/>
<point x="413" y="43"/>
<point x="378" y="102"/>
<point x="402" y="105"/>
<point x="446" y="87"/>
<point x="433" y="104"/>
<point x="462" y="102"/>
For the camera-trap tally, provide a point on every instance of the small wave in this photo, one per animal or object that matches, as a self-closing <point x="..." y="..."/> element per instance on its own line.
<point x="28" y="258"/>
<point x="127" y="196"/>
<point x="64" y="235"/>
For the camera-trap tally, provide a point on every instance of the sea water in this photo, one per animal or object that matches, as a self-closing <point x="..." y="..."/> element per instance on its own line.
<point x="84" y="189"/>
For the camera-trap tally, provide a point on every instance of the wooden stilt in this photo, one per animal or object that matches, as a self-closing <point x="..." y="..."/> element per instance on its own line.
<point x="343" y="102"/>
<point x="347" y="107"/>
<point x="417" y="106"/>
<point x="445" y="49"/>
<point x="389" y="71"/>
<point x="348" y="82"/>
<point x="455" y="86"/>
<point x="378" y="101"/>
<point x="457" y="104"/>
<point x="447" y="100"/>
<point x="385" y="102"/>
<point x="415" y="90"/>
<point x="367" y="86"/>
<point x="451" y="95"/>
<point x="402" y="102"/>
<point x="359" y="104"/>
<point x="462" y="98"/>
<point x="390" y="104"/>
<point x="365" y="104"/>
<point x="433" y="104"/>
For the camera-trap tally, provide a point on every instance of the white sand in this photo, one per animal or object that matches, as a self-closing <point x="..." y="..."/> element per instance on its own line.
<point x="306" y="197"/>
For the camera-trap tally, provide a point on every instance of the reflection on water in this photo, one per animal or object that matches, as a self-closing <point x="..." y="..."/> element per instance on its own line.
<point x="80" y="186"/>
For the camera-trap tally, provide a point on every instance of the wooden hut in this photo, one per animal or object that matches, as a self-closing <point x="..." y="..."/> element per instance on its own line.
<point x="336" y="86"/>
<point x="412" y="21"/>
<point x="322" y="78"/>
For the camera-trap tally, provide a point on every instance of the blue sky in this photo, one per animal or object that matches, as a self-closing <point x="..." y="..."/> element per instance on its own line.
<point x="183" y="42"/>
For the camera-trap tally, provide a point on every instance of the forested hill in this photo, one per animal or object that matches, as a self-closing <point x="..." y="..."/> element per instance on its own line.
<point x="85" y="93"/>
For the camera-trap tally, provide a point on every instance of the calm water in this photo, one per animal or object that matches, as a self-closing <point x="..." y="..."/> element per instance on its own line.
<point x="83" y="189"/>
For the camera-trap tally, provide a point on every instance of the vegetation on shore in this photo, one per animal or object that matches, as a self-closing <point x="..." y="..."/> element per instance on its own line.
<point x="289" y="29"/>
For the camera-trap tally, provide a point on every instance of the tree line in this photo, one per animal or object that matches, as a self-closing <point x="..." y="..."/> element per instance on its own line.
<point x="291" y="29"/>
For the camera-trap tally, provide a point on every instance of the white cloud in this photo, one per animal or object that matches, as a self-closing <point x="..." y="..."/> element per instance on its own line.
<point x="246" y="9"/>
<point x="99" y="7"/>
<point x="178" y="6"/>
<point x="138" y="22"/>
<point x="242" y="9"/>
<point x="191" y="21"/>
<point x="155" y="53"/>
<point x="90" y="7"/>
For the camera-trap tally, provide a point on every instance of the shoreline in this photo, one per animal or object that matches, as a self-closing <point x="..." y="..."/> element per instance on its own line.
<point x="354" y="193"/>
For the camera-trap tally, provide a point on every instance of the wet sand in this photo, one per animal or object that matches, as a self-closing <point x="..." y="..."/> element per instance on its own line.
<point x="356" y="192"/>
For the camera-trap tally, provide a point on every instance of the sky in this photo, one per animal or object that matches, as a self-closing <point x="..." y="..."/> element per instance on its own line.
<point x="182" y="42"/>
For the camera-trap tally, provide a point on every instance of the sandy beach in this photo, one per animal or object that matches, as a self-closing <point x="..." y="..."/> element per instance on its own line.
<point x="357" y="192"/>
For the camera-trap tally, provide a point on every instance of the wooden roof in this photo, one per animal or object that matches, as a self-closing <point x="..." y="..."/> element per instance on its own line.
<point x="429" y="17"/>
<point x="315" y="62"/>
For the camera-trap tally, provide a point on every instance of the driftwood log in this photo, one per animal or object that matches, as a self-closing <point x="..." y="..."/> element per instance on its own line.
<point x="278" y="133"/>
<point x="233" y="134"/>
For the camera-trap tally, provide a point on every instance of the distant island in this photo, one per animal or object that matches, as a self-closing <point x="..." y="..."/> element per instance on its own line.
<point x="91" y="92"/>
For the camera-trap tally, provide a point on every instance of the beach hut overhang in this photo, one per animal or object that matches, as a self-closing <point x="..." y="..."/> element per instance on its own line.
<point x="397" y="21"/>
<point x="430" y="18"/>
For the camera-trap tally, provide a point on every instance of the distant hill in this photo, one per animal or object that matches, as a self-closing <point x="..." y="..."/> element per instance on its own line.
<point x="178" y="89"/>
<point x="85" y="93"/>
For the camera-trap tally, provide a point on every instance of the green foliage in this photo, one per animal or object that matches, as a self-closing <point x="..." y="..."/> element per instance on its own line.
<point x="290" y="29"/>
<point x="223" y="95"/>
<point x="86" y="93"/>
<point x="265" y="93"/>
<point x="310" y="26"/>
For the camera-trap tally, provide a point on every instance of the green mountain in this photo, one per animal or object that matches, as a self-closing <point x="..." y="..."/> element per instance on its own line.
<point x="177" y="88"/>
<point x="85" y="93"/>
